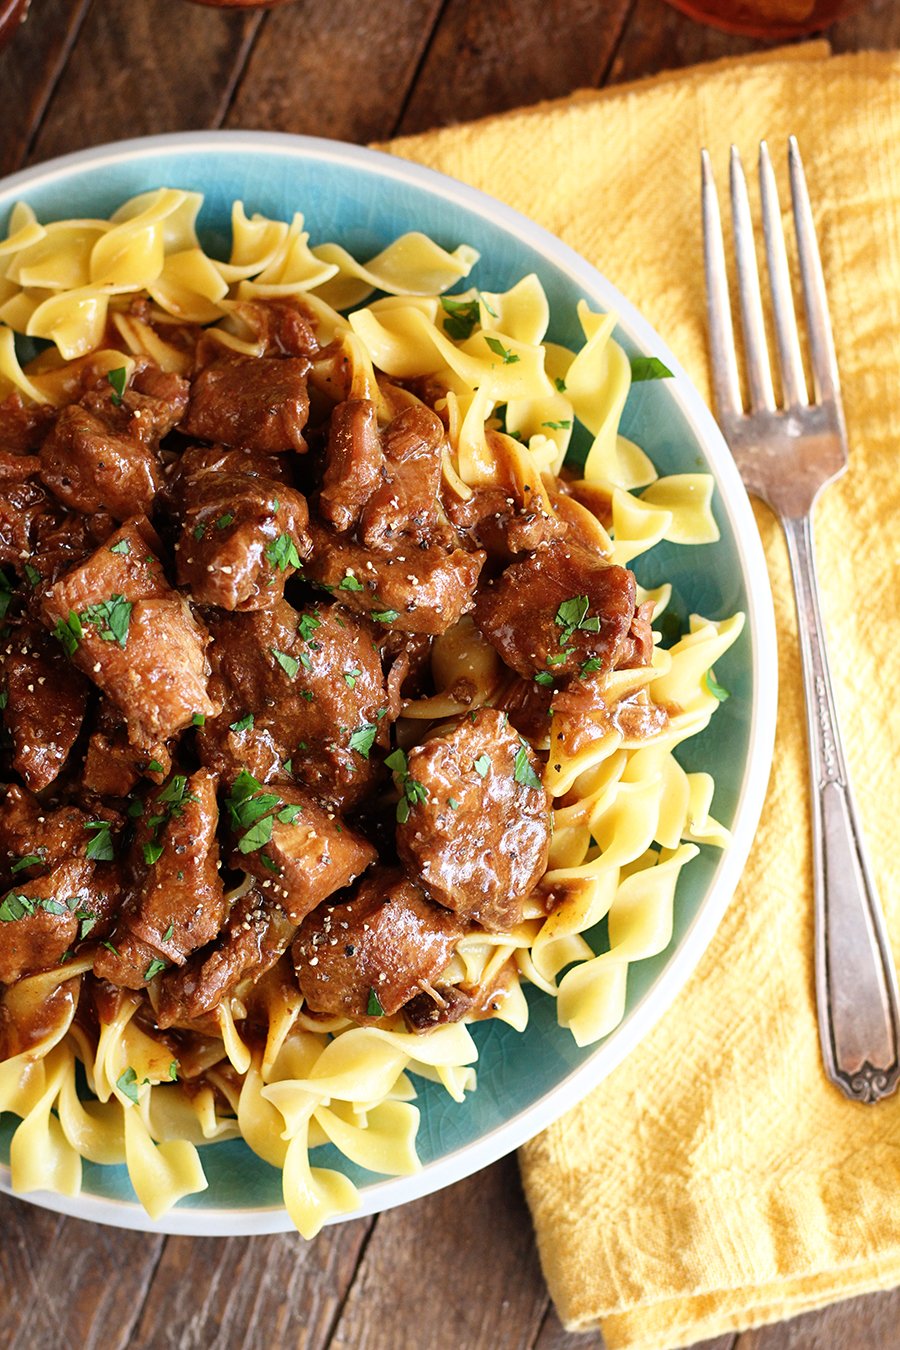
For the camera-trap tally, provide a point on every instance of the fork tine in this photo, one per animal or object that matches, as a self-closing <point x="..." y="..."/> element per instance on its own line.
<point x="759" y="376"/>
<point x="821" y="343"/>
<point x="793" y="380"/>
<point x="726" y="381"/>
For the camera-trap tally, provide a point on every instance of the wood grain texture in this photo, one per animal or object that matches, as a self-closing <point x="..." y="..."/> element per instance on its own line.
<point x="143" y="66"/>
<point x="249" y="1293"/>
<point x="340" y="69"/>
<point x="867" y="1323"/>
<point x="486" y="58"/>
<point x="658" y="38"/>
<point x="458" y="1268"/>
<point x="29" y="69"/>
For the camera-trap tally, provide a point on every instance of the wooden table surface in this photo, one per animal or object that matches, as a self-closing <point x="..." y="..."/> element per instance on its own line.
<point x="458" y="1268"/>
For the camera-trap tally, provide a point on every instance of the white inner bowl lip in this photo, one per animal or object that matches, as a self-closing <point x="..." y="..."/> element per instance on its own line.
<point x="639" y="1019"/>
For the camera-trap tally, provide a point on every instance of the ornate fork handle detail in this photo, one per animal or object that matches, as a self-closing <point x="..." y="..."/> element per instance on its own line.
<point x="859" y="1019"/>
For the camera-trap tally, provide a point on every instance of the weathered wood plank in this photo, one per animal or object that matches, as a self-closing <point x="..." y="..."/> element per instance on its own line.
<point x="867" y="1323"/>
<point x="455" y="1268"/>
<point x="145" y="66"/>
<point x="29" y="69"/>
<point x="657" y="37"/>
<point x="55" y="1280"/>
<point x="341" y="70"/>
<point x="249" y="1293"/>
<point x="487" y="58"/>
<point x="878" y="26"/>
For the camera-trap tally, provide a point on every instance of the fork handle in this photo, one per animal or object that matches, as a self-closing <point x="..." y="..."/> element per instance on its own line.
<point x="856" y="985"/>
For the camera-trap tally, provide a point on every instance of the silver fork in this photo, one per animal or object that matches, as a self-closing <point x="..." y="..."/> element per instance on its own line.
<point x="786" y="454"/>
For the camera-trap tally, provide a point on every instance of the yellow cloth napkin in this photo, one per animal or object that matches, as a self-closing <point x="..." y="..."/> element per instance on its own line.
<point x="716" y="1180"/>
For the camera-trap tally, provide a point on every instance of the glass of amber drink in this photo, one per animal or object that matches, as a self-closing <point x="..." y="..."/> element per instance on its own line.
<point x="768" y="18"/>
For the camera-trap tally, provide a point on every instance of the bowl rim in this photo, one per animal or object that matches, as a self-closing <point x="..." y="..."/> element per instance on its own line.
<point x="655" y="1002"/>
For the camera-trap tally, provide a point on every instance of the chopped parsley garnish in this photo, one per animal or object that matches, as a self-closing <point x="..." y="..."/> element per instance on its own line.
<point x="509" y="358"/>
<point x="282" y="553"/>
<point x="173" y="1071"/>
<point x="110" y="948"/>
<point x="243" y="724"/>
<point x="248" y="807"/>
<point x="32" y="574"/>
<point x="572" y="615"/>
<point x="270" y="864"/>
<point x="648" y="368"/>
<point x="152" y="852"/>
<point x="717" y="690"/>
<point x="28" y="861"/>
<point x="289" y="813"/>
<point x="198" y="720"/>
<point x="363" y="738"/>
<point x="373" y="1007"/>
<point x="127" y="1084"/>
<point x="385" y="615"/>
<point x="350" y="583"/>
<point x="560" y="384"/>
<point x="5" y="593"/>
<point x="591" y="664"/>
<point x="224" y="521"/>
<point x="413" y="790"/>
<point x="122" y="546"/>
<point x="167" y="935"/>
<point x="307" y="626"/>
<point x="111" y="618"/>
<point x="523" y="772"/>
<point x="100" y="849"/>
<point x="16" y="906"/>
<point x="175" y="794"/>
<point x="4" y="698"/>
<point x="87" y="921"/>
<point x="543" y="677"/>
<point x="69" y="632"/>
<point x="453" y="803"/>
<point x="257" y="835"/>
<point x="350" y="678"/>
<point x="198" y="532"/>
<point x="481" y="765"/>
<point x="288" y="664"/>
<point x="154" y="968"/>
<point x="135" y="809"/>
<point x="559" y="426"/>
<point x="118" y="379"/>
<point x="462" y="317"/>
<point x="155" y="767"/>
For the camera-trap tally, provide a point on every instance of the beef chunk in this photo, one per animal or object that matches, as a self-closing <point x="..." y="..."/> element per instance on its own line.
<point x="112" y="765"/>
<point x="22" y="426"/>
<point x="313" y="681"/>
<point x="477" y="835"/>
<point x="29" y="829"/>
<point x="559" y="608"/>
<point x="436" y="1008"/>
<point x="255" y="935"/>
<point x="134" y="635"/>
<point x="62" y="540"/>
<point x="22" y="504"/>
<point x="375" y="950"/>
<point x="179" y="904"/>
<point x="45" y="704"/>
<point x="103" y="455"/>
<point x="262" y="405"/>
<point x="354" y="463"/>
<point x="503" y="522"/>
<point x="283" y="323"/>
<point x="197" y="460"/>
<point x="411" y="589"/>
<point x="301" y="851"/>
<point x="241" y="538"/>
<point x="636" y="648"/>
<point x="42" y="917"/>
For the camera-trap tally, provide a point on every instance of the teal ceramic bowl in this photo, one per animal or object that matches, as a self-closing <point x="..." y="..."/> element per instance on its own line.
<point x="364" y="199"/>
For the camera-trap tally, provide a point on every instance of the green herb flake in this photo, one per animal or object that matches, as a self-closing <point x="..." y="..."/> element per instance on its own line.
<point x="155" y="966"/>
<point x="385" y="615"/>
<point x="198" y="720"/>
<point x="100" y="848"/>
<point x="282" y="553"/>
<point x="33" y="575"/>
<point x="591" y="664"/>
<point x="397" y="762"/>
<point x="173" y="1071"/>
<point x="559" y="426"/>
<point x="121" y="547"/>
<point x="110" y="948"/>
<point x="88" y="921"/>
<point x="556" y="658"/>
<point x="243" y="724"/>
<point x="5" y="593"/>
<point x="118" y="379"/>
<point x="127" y="1082"/>
<point x="69" y="632"/>
<point x="198" y="532"/>
<point x="402" y="811"/>
<point x="4" y="698"/>
<point x="155" y="767"/>
<point x="453" y="803"/>
<point x="30" y="860"/>
<point x="153" y="851"/>
<point x="461" y="317"/>
<point x="167" y="935"/>
<point x="363" y="738"/>
<point x="257" y="835"/>
<point x="373" y="1007"/>
<point x="350" y="583"/>
<point x="481" y="765"/>
<point x="717" y="690"/>
<point x="543" y="677"/>
<point x="289" y="813"/>
<point x="572" y="615"/>
<point x="523" y="772"/>
<point x="560" y="384"/>
<point x="288" y="664"/>
<point x="224" y="521"/>
<point x="15" y="907"/>
<point x="648" y="368"/>
<point x="509" y="358"/>
<point x="350" y="678"/>
<point x="307" y="626"/>
<point x="111" y="618"/>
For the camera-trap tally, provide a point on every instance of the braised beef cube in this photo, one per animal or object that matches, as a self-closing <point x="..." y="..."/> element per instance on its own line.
<point x="198" y="460"/>
<point x="411" y="589"/>
<point x="241" y="539"/>
<point x="300" y="850"/>
<point x="405" y="507"/>
<point x="408" y="658"/>
<point x="179" y="904"/>
<point x="22" y="427"/>
<point x="96" y="458"/>
<point x="503" y="521"/>
<point x="62" y="540"/>
<point x="18" y="468"/>
<point x="476" y="832"/>
<point x="261" y="404"/>
<point x="255" y="935"/>
<point x="438" y="1006"/>
<point x="286" y="326"/>
<point x="157" y="398"/>
<point x="41" y="918"/>
<point x="313" y="681"/>
<point x="560" y="608"/>
<point x="366" y="957"/>
<point x="45" y="703"/>
<point x="636" y="648"/>
<point x="354" y="463"/>
<point x="112" y="765"/>
<point x="28" y="829"/>
<point x="133" y="635"/>
<point x="22" y="504"/>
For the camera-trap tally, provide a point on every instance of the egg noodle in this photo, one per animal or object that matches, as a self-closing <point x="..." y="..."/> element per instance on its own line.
<point x="627" y="817"/>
